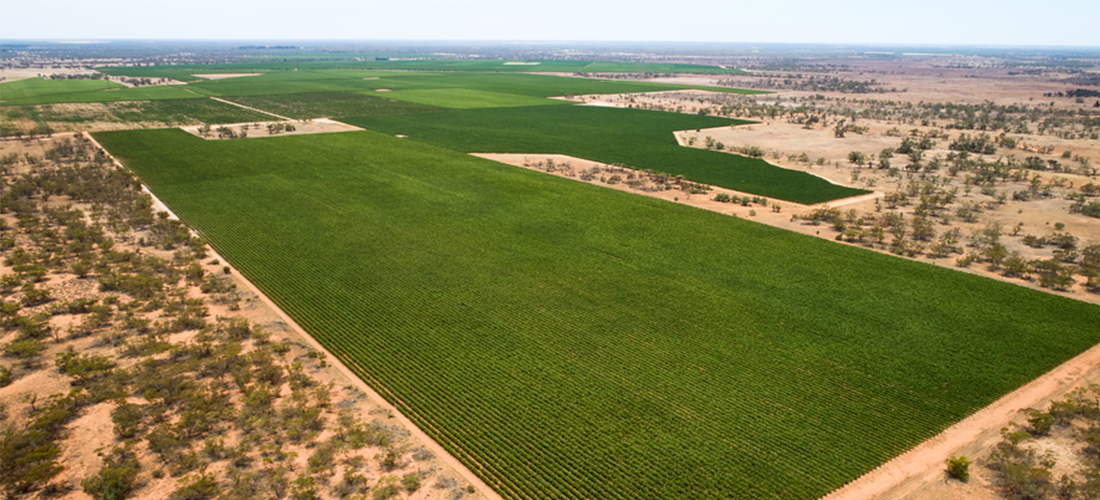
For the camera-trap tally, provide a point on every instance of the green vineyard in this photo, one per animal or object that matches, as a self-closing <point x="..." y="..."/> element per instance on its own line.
<point x="568" y="341"/>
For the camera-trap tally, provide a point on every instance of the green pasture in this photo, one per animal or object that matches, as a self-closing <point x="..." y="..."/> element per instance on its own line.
<point x="637" y="138"/>
<point x="565" y="340"/>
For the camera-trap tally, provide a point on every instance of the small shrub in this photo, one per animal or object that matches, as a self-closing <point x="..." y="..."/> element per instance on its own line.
<point x="958" y="468"/>
<point x="387" y="487"/>
<point x="1040" y="422"/>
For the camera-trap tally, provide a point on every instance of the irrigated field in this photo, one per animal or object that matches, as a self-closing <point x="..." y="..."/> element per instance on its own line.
<point x="330" y="104"/>
<point x="37" y="87"/>
<point x="637" y="138"/>
<point x="293" y="82"/>
<point x="568" y="341"/>
<point x="102" y="93"/>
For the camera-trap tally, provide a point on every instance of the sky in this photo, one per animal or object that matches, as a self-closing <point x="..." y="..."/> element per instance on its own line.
<point x="890" y="22"/>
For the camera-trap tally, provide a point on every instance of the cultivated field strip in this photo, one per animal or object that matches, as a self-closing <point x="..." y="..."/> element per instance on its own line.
<point x="567" y="341"/>
<point x="636" y="138"/>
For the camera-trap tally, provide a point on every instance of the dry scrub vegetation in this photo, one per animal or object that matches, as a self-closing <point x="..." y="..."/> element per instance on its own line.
<point x="132" y="366"/>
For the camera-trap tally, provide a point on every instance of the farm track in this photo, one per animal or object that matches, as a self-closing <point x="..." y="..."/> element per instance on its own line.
<point x="252" y="109"/>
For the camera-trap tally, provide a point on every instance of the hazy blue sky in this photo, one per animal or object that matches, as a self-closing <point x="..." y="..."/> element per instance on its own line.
<point x="925" y="22"/>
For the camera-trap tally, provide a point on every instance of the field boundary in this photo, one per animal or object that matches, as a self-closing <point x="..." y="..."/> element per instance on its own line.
<point x="839" y="202"/>
<point x="680" y="141"/>
<point x="483" y="488"/>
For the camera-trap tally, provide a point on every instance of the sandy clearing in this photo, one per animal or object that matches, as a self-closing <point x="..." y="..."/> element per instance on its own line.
<point x="259" y="129"/>
<point x="223" y="76"/>
<point x="89" y="435"/>
<point x="381" y="90"/>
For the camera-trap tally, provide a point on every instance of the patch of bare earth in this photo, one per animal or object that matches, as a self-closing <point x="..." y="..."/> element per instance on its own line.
<point x="223" y="76"/>
<point x="260" y="129"/>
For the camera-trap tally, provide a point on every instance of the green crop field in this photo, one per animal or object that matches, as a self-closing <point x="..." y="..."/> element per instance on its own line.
<point x="475" y="85"/>
<point x="112" y="94"/>
<point x="36" y="87"/>
<point x="291" y="82"/>
<point x="565" y="340"/>
<point x="467" y="98"/>
<point x="331" y="104"/>
<point x="637" y="138"/>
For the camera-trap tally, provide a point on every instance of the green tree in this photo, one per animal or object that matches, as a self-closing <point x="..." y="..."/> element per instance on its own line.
<point x="884" y="158"/>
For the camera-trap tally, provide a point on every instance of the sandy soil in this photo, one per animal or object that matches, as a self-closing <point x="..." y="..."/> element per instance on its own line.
<point x="917" y="79"/>
<point x="259" y="129"/>
<point x="222" y="76"/>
